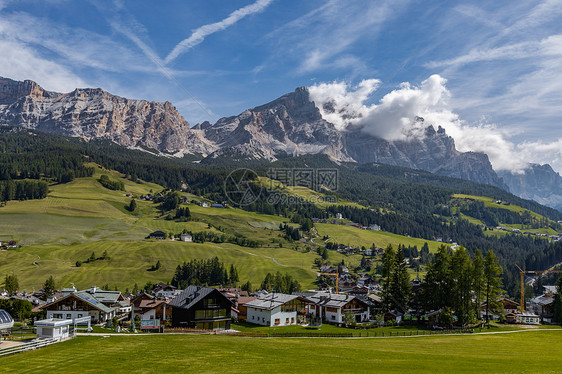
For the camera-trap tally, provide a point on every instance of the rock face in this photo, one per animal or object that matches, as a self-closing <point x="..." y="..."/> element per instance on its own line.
<point x="93" y="113"/>
<point x="291" y="124"/>
<point x="538" y="182"/>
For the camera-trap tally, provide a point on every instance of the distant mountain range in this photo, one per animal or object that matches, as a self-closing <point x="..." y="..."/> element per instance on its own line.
<point x="290" y="125"/>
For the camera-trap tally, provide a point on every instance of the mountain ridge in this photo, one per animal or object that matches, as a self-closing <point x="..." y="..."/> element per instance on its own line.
<point x="289" y="125"/>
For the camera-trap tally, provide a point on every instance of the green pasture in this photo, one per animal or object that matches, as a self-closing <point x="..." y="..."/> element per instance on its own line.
<point x="355" y="237"/>
<point x="530" y="352"/>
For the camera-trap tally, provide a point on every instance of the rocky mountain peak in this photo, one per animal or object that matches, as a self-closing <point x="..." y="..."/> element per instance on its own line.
<point x="11" y="90"/>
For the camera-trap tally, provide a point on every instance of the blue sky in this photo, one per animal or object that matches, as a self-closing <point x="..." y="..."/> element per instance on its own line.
<point x="500" y="62"/>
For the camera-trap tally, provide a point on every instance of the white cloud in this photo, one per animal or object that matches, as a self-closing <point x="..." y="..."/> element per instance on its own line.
<point x="394" y="118"/>
<point x="550" y="46"/>
<point x="340" y="105"/>
<point x="323" y="39"/>
<point x="79" y="47"/>
<point x="199" y="34"/>
<point x="24" y="63"/>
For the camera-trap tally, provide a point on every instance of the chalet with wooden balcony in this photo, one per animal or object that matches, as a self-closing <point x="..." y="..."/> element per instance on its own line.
<point x="331" y="308"/>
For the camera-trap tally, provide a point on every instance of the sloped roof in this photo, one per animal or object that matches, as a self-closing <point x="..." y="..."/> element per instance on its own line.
<point x="104" y="296"/>
<point x="270" y="301"/>
<point x="331" y="300"/>
<point x="191" y="296"/>
<point x="84" y="296"/>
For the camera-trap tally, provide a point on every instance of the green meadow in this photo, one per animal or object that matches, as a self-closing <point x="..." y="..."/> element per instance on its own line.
<point x="536" y="351"/>
<point x="355" y="237"/>
<point x="82" y="217"/>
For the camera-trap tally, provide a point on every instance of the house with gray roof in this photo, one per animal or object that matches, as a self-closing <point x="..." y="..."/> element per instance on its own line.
<point x="276" y="309"/>
<point x="201" y="308"/>
<point x="99" y="304"/>
<point x="331" y="308"/>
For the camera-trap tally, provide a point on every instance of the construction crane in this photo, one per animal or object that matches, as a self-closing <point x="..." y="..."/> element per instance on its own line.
<point x="337" y="275"/>
<point x="537" y="272"/>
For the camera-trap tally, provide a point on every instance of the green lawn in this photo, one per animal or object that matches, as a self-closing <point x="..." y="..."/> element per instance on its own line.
<point x="355" y="237"/>
<point x="533" y="352"/>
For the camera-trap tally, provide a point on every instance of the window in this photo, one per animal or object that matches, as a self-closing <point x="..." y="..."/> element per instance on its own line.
<point x="68" y="316"/>
<point x="333" y="317"/>
<point x="292" y="319"/>
<point x="80" y="316"/>
<point x="287" y="321"/>
<point x="252" y="317"/>
<point x="277" y="321"/>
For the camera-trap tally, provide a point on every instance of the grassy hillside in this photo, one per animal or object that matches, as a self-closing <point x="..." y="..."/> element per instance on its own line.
<point x="82" y="217"/>
<point x="355" y="237"/>
<point x="211" y="354"/>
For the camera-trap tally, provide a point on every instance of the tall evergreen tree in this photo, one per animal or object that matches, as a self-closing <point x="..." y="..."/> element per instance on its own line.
<point x="436" y="290"/>
<point x="492" y="282"/>
<point x="557" y="312"/>
<point x="388" y="260"/>
<point x="400" y="287"/>
<point x="49" y="286"/>
<point x="478" y="282"/>
<point x="461" y="269"/>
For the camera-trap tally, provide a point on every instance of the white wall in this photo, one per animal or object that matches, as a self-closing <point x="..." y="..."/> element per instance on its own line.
<point x="69" y="314"/>
<point x="267" y="317"/>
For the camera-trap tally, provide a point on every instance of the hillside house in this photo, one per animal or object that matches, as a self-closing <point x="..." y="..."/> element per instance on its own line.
<point x="165" y="291"/>
<point x="331" y="308"/>
<point x="276" y="309"/>
<point x="186" y="238"/>
<point x="157" y="235"/>
<point x="201" y="308"/>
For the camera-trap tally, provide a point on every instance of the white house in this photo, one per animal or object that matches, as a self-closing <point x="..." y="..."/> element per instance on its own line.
<point x="275" y="309"/>
<point x="53" y="328"/>
<point x="375" y="228"/>
<point x="167" y="292"/>
<point x="339" y="216"/>
<point x="204" y="204"/>
<point x="186" y="238"/>
<point x="528" y="318"/>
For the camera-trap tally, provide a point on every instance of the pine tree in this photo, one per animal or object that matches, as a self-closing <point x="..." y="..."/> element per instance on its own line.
<point x="233" y="276"/>
<point x="49" y="286"/>
<point x="461" y="269"/>
<point x="132" y="205"/>
<point x="400" y="288"/>
<point x="492" y="282"/>
<point x="436" y="289"/>
<point x="557" y="312"/>
<point x="388" y="259"/>
<point x="478" y="281"/>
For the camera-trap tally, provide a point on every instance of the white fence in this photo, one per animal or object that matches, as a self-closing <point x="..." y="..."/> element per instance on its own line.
<point x="37" y="343"/>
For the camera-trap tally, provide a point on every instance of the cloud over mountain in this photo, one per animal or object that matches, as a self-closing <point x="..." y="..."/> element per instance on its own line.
<point x="393" y="118"/>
